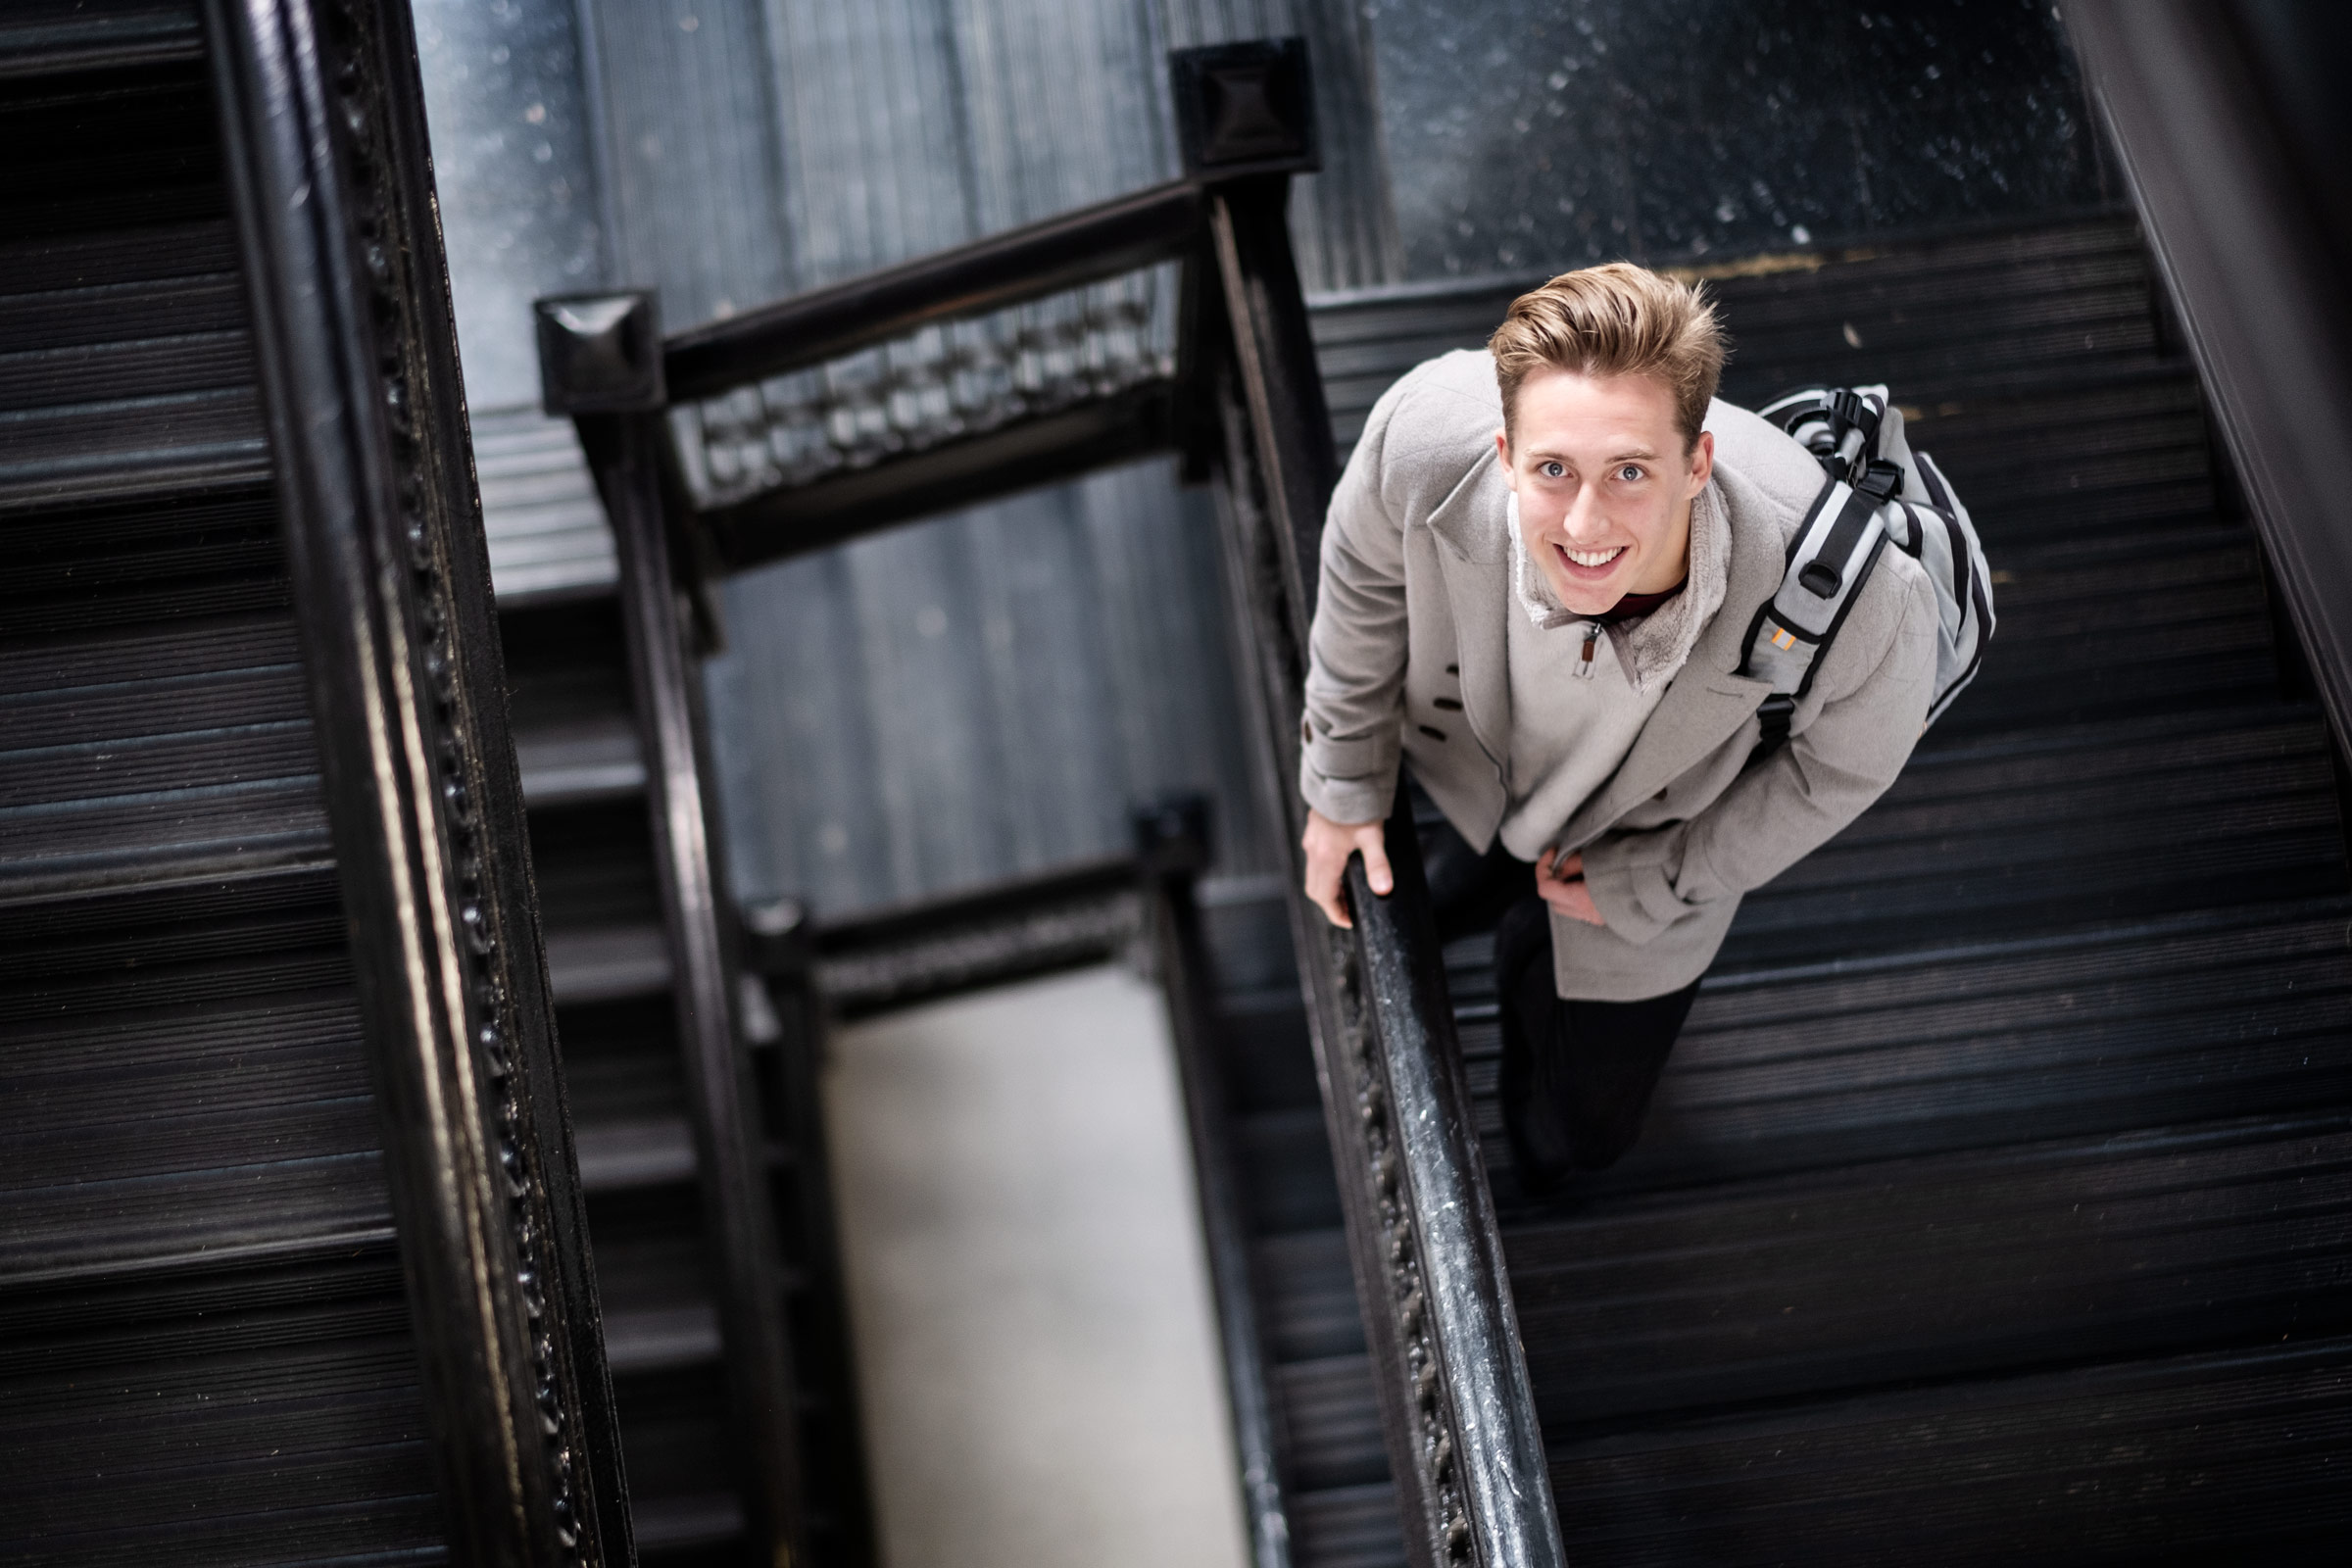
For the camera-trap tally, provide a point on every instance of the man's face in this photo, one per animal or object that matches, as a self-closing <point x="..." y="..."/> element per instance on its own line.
<point x="1604" y="484"/>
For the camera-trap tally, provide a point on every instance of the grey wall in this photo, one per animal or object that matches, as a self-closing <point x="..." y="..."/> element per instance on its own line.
<point x="514" y="170"/>
<point x="523" y="215"/>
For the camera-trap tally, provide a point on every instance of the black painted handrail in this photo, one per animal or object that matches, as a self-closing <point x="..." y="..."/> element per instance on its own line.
<point x="1024" y="263"/>
<point x="325" y="141"/>
<point x="1466" y="1444"/>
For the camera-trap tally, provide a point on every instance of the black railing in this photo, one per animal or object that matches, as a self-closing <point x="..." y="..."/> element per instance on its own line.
<point x="1221" y="368"/>
<point x="326" y="157"/>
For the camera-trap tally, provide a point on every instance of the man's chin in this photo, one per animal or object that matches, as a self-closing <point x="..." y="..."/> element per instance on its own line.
<point x="1584" y="598"/>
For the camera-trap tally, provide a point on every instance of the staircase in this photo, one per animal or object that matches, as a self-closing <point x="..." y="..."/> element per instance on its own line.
<point x="1996" y="1203"/>
<point x="205" y="1353"/>
<point x="693" y="1484"/>
<point x="1326" y="1415"/>
<point x="289" y="1244"/>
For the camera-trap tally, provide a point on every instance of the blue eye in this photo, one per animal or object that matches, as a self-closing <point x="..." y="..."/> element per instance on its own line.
<point x="1551" y="470"/>
<point x="1629" y="473"/>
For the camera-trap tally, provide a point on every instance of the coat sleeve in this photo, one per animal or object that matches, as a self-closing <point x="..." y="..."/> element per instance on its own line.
<point x="1351" y="738"/>
<point x="1790" y="804"/>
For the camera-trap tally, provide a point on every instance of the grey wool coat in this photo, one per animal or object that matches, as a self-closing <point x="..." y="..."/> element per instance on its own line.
<point x="1407" y="662"/>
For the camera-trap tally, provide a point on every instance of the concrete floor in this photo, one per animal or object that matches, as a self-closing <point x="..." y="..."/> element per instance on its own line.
<point x="1036" y="1352"/>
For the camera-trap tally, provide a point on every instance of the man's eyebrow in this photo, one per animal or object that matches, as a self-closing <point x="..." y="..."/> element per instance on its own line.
<point x="1636" y="455"/>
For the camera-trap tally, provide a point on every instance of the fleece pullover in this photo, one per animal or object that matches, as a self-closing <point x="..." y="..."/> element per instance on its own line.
<point x="1574" y="719"/>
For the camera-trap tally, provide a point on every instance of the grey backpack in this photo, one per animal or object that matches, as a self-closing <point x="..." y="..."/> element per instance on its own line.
<point x="1878" y="490"/>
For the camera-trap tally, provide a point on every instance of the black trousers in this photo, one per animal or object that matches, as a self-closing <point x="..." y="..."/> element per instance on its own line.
<point x="1577" y="1076"/>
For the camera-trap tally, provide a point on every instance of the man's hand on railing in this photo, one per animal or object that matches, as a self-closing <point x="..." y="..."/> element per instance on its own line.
<point x="1328" y="844"/>
<point x="1560" y="881"/>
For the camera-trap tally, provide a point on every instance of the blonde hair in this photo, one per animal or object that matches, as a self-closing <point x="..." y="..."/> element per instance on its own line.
<point x="1618" y="320"/>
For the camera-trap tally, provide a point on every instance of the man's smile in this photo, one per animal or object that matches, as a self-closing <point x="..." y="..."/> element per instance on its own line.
<point x="1590" y="565"/>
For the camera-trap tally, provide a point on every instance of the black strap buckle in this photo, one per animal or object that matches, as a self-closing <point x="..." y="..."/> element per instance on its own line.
<point x="1771" y="719"/>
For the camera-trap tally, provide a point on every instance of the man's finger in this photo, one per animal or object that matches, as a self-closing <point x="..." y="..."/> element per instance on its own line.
<point x="1323" y="888"/>
<point x="1376" y="865"/>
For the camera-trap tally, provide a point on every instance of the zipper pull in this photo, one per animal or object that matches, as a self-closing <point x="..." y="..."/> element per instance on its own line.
<point x="1584" y="664"/>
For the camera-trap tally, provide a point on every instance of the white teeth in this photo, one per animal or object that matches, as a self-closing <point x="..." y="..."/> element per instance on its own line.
<point x="1593" y="558"/>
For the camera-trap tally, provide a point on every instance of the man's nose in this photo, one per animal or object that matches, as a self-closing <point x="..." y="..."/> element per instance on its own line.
<point x="1584" y="520"/>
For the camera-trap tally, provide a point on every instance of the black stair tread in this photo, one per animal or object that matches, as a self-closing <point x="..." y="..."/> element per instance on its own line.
<point x="1346" y="1526"/>
<point x="131" y="258"/>
<point x="64" y="719"/>
<point x="594" y="865"/>
<point x="97" y="588"/>
<point x="152" y="722"/>
<point x="607" y="964"/>
<point x="1308" y="1296"/>
<point x="568" y="761"/>
<point x="541" y="518"/>
<point x="97" y="452"/>
<point x="162" y="836"/>
<point x="2277" y="846"/>
<point x="50" y="38"/>
<point x="1287" y="1180"/>
<point x="2104" y="1030"/>
<point x="2055" y="589"/>
<point x="217" y="1018"/>
<point x="1936" y="1267"/>
<point x="2251" y="818"/>
<point x="1329" y="1417"/>
<point x="1939" y="321"/>
<point x="106" y="1226"/>
<point x="114" y="766"/>
<point x="679" y="1522"/>
<point x="105" y="315"/>
<point x="620" y="1061"/>
<point x="2043" y="456"/>
<point x="639" y="1152"/>
<point x="659" y="1339"/>
<point x="74" y="670"/>
<point x="2022" y="782"/>
<point x="124" y="203"/>
<point x="279" y="1454"/>
<point x="126" y="370"/>
<point x="674" y="1436"/>
<point x="2228" y="1455"/>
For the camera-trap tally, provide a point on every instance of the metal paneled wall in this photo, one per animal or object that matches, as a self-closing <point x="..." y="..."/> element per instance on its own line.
<point x="986" y="694"/>
<point x="513" y="175"/>
<point x="1344" y="220"/>
<point x="523" y="215"/>
<point x="680" y="94"/>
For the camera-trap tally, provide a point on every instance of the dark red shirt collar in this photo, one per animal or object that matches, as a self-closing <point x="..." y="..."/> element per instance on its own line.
<point x="1634" y="606"/>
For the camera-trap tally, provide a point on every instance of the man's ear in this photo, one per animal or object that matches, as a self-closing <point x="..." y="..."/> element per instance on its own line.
<point x="1702" y="461"/>
<point x="1502" y="449"/>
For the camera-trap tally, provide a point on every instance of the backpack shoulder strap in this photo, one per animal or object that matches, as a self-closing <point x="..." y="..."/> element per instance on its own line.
<point x="1833" y="553"/>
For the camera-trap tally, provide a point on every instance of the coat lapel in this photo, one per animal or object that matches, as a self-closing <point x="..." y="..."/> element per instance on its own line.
<point x="1473" y="560"/>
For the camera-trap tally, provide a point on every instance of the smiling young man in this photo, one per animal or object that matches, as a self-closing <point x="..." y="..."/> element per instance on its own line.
<point x="1540" y="573"/>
